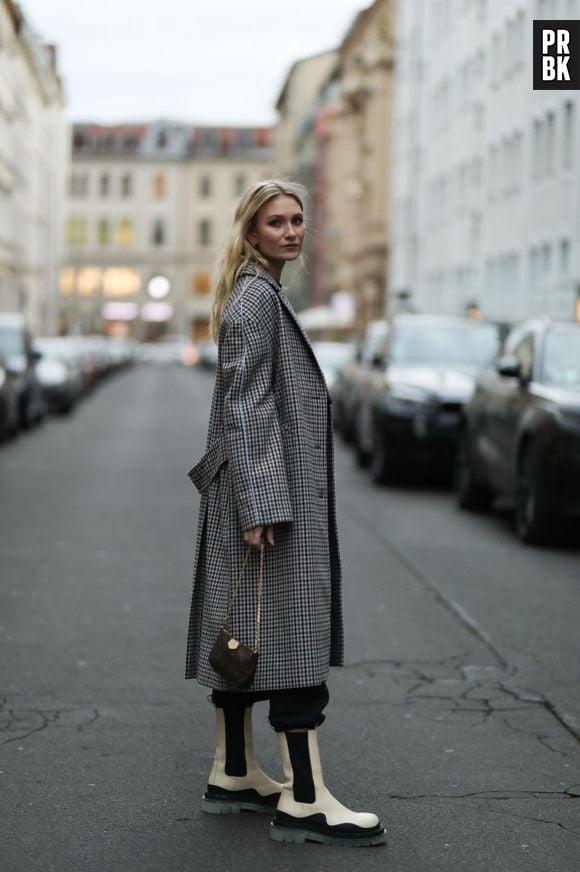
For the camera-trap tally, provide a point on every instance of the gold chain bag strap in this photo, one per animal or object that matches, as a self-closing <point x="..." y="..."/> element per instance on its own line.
<point x="234" y="662"/>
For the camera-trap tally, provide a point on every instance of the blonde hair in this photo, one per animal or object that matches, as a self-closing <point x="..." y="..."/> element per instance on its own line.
<point x="238" y="252"/>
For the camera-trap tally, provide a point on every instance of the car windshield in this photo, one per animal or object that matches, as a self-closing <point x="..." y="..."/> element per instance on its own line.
<point x="11" y="342"/>
<point x="333" y="354"/>
<point x="561" y="364"/>
<point x="470" y="345"/>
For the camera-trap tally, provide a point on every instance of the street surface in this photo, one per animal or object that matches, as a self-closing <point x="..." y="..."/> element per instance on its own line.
<point x="456" y="718"/>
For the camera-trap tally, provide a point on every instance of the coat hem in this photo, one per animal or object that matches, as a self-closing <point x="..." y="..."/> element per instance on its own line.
<point x="260" y="686"/>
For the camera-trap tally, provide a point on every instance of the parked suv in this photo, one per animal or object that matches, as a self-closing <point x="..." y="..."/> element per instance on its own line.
<point x="16" y="349"/>
<point x="422" y="377"/>
<point x="521" y="437"/>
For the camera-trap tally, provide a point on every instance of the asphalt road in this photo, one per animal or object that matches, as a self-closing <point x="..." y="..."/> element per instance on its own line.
<point x="456" y="717"/>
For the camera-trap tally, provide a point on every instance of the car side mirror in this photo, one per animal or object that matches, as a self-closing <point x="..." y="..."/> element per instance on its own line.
<point x="36" y="356"/>
<point x="509" y="366"/>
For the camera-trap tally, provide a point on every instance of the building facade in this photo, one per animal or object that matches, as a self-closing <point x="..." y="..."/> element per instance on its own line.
<point x="486" y="172"/>
<point x="33" y="154"/>
<point x="356" y="140"/>
<point x="147" y="211"/>
<point x="295" y="158"/>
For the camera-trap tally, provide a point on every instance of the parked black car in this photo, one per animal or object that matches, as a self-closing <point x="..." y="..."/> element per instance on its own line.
<point x="521" y="435"/>
<point x="16" y="349"/>
<point x="350" y="384"/>
<point x="410" y="415"/>
<point x="9" y="412"/>
<point x="59" y="372"/>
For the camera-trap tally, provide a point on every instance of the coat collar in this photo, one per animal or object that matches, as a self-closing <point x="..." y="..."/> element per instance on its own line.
<point x="263" y="273"/>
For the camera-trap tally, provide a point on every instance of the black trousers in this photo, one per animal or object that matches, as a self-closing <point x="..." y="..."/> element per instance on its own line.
<point x="295" y="708"/>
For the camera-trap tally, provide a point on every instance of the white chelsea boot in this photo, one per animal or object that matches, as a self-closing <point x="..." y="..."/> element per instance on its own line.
<point x="306" y="810"/>
<point x="236" y="782"/>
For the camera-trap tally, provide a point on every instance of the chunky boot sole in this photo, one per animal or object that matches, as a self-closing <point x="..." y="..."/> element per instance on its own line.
<point x="297" y="836"/>
<point x="219" y="801"/>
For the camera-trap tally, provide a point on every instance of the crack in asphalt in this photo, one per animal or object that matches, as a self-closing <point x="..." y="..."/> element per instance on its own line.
<point x="25" y="722"/>
<point x="458" y="612"/>
<point x="440" y="681"/>
<point x="503" y="796"/>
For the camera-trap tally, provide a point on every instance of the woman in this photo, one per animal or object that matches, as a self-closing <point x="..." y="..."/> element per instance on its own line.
<point x="267" y="481"/>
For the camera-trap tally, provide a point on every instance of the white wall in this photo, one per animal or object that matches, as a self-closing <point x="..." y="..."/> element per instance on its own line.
<point x="486" y="174"/>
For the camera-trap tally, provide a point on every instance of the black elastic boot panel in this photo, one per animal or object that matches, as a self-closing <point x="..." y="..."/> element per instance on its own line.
<point x="303" y="789"/>
<point x="235" y="743"/>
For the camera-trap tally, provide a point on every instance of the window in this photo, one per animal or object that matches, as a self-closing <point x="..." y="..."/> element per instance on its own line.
<point x="76" y="231"/>
<point x="493" y="170"/>
<point x="126" y="186"/>
<point x="159" y="186"/>
<point x="161" y="139"/>
<point x="565" y="256"/>
<point x="120" y="282"/>
<point x="158" y="235"/>
<point x="541" y="147"/>
<point x="104" y="231"/>
<point x="125" y="236"/>
<point x="205" y="232"/>
<point x="550" y="138"/>
<point x="521" y="38"/>
<point x="104" y="185"/>
<point x="209" y="138"/>
<point x="88" y="281"/>
<point x="535" y="162"/>
<point x="495" y="56"/>
<point x="205" y="186"/>
<point x="547" y="259"/>
<point x="239" y="185"/>
<point x="568" y="134"/>
<point x="67" y="281"/>
<point x="201" y="283"/>
<point x="78" y="185"/>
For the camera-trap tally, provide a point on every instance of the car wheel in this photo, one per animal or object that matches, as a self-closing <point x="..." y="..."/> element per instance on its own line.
<point x="534" y="525"/>
<point x="362" y="456"/>
<point x="470" y="492"/>
<point x="381" y="459"/>
<point x="346" y="427"/>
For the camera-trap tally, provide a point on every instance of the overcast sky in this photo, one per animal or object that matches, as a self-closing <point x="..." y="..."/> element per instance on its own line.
<point x="204" y="61"/>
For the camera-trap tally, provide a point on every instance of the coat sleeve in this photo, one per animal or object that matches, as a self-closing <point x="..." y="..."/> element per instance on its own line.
<point x="251" y="424"/>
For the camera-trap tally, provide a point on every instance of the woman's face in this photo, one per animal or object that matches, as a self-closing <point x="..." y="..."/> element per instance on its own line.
<point x="278" y="231"/>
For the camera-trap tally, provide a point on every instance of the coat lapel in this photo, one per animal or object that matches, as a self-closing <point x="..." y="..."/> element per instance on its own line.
<point x="290" y="309"/>
<point x="293" y="317"/>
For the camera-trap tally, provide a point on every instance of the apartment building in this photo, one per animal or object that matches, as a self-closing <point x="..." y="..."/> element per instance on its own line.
<point x="485" y="200"/>
<point x="33" y="138"/>
<point x="295" y="158"/>
<point x="357" y="135"/>
<point x="147" y="210"/>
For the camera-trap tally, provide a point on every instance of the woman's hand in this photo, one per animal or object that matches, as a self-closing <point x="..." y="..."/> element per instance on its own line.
<point x="254" y="536"/>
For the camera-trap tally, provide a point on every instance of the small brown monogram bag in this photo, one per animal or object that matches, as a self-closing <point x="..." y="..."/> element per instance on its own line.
<point x="234" y="662"/>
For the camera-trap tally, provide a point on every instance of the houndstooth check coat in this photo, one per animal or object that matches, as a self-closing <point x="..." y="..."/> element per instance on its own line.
<point x="269" y="459"/>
